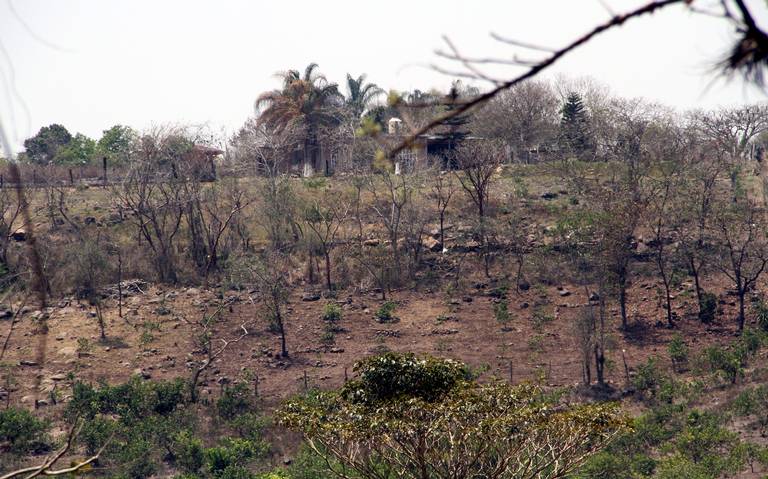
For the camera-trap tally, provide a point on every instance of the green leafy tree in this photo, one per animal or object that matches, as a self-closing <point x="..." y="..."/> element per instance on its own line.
<point x="79" y="151"/>
<point x="45" y="145"/>
<point x="409" y="417"/>
<point x="116" y="143"/>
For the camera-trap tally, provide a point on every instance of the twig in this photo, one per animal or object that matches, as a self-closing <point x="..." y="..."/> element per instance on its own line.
<point x="534" y="70"/>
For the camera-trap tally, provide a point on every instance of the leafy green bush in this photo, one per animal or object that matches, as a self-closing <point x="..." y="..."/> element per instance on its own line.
<point x="386" y="312"/>
<point x="501" y="312"/>
<point x="250" y="426"/>
<point x="393" y="375"/>
<point x="21" y="432"/>
<point x="234" y="401"/>
<point x="135" y="399"/>
<point x="648" y="378"/>
<point x="678" y="352"/>
<point x="232" y="454"/>
<point x="707" y="307"/>
<point x="332" y="313"/>
<point x="761" y="314"/>
<point x="728" y="362"/>
<point x="188" y="452"/>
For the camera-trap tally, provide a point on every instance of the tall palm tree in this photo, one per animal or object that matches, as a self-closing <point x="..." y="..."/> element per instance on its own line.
<point x="360" y="95"/>
<point x="306" y="100"/>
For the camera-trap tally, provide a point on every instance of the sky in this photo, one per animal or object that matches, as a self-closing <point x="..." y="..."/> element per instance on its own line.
<point x="91" y="64"/>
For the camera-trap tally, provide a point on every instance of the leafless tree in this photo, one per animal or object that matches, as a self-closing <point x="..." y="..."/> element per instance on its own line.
<point x="742" y="241"/>
<point x="478" y="165"/>
<point x="442" y="190"/>
<point x="324" y="217"/>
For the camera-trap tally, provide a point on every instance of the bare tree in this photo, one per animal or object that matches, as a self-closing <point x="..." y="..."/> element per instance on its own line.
<point x="442" y="190"/>
<point x="325" y="217"/>
<point x="156" y="203"/>
<point x="478" y="164"/>
<point x="741" y="234"/>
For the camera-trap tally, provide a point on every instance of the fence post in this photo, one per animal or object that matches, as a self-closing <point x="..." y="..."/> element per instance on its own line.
<point x="71" y="177"/>
<point x="104" y="166"/>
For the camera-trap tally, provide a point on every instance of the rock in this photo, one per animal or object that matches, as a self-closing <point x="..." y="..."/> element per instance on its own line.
<point x="467" y="299"/>
<point x="89" y="220"/>
<point x="524" y="285"/>
<point x="564" y="292"/>
<point x="313" y="296"/>
<point x="432" y="244"/>
<point x="371" y="242"/>
<point x="549" y="195"/>
<point x="27" y="362"/>
<point x="594" y="296"/>
<point x="19" y="235"/>
<point x="336" y="350"/>
<point x="59" y="377"/>
<point x="524" y="305"/>
<point x="68" y="351"/>
<point x="5" y="312"/>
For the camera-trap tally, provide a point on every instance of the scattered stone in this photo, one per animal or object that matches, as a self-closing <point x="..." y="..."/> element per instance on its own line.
<point x="312" y="296"/>
<point x="564" y="292"/>
<point x="336" y="350"/>
<point x="27" y="362"/>
<point x="444" y="332"/>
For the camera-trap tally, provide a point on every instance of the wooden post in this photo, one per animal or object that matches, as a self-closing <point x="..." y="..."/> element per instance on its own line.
<point x="305" y="380"/>
<point x="104" y="166"/>
<point x="511" y="373"/>
<point x="346" y="378"/>
<point x="34" y="177"/>
<point x="2" y="181"/>
<point x="71" y="177"/>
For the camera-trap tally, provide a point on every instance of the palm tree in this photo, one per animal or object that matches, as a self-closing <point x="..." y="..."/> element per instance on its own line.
<point x="360" y="95"/>
<point x="307" y="101"/>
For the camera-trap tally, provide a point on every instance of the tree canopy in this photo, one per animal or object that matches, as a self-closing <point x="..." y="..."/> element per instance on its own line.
<point x="415" y="417"/>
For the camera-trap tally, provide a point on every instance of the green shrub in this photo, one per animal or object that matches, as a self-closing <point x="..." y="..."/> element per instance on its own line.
<point x="332" y="313"/>
<point x="761" y="314"/>
<point x="231" y="454"/>
<point x="501" y="312"/>
<point x="249" y="426"/>
<point x="648" y="378"/>
<point x="728" y="362"/>
<point x="95" y="433"/>
<point x="393" y="375"/>
<point x="234" y="401"/>
<point x="707" y="307"/>
<point x="189" y="452"/>
<point x="386" y="312"/>
<point x="22" y="432"/>
<point x="678" y="352"/>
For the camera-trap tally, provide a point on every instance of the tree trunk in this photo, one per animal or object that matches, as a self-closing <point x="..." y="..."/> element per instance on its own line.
<point x="742" y="315"/>
<point x="328" y="270"/>
<point x="623" y="304"/>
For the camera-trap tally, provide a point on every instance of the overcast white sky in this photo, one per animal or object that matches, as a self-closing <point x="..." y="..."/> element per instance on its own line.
<point x="145" y="62"/>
